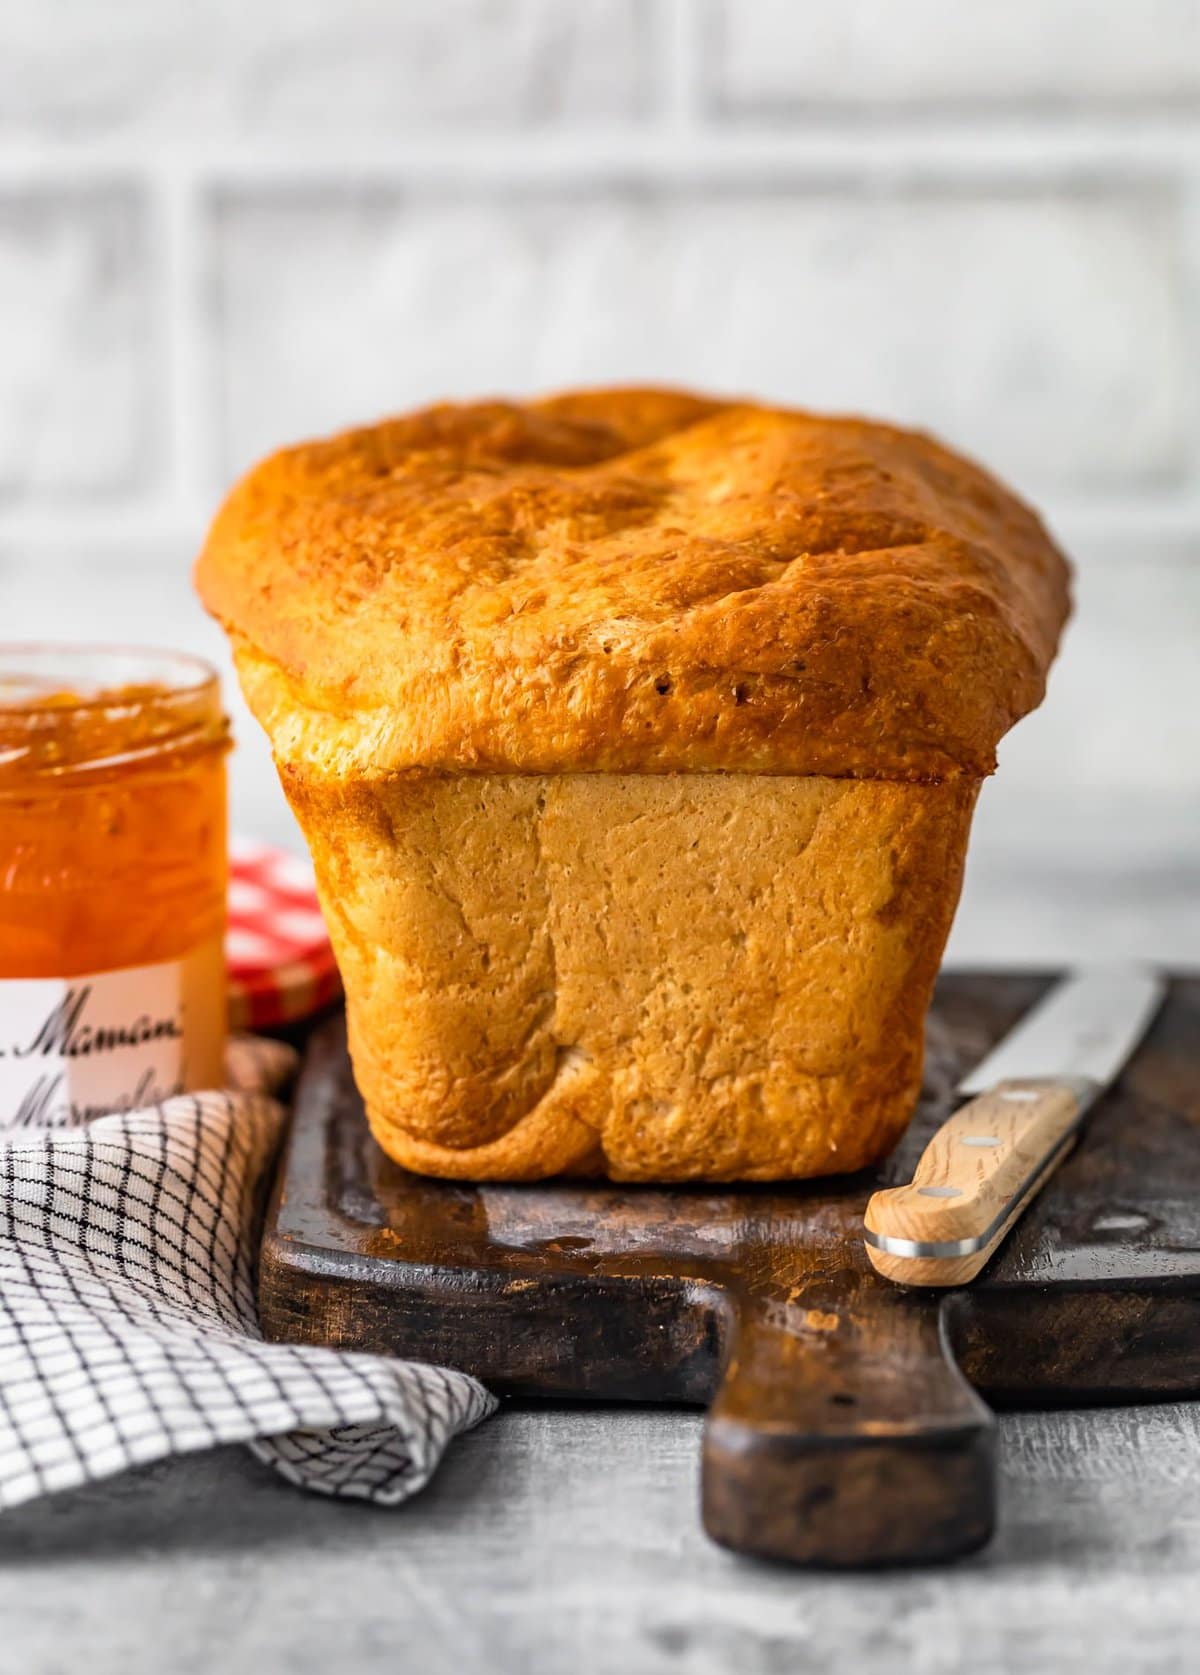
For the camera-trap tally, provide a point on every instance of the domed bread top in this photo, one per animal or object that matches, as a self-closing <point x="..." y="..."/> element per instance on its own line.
<point x="634" y="581"/>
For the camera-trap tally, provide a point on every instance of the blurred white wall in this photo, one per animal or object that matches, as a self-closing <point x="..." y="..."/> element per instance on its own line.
<point x="228" y="225"/>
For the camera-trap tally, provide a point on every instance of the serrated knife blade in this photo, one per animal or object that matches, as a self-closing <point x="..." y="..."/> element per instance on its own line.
<point x="1086" y="1027"/>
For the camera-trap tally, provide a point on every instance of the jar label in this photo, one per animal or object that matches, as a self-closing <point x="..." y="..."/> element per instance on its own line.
<point x="74" y="1048"/>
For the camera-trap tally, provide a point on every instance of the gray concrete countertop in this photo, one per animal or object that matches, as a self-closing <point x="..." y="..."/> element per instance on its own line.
<point x="565" y="1541"/>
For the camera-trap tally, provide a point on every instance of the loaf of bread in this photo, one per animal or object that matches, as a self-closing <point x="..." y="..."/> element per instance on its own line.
<point x="636" y="738"/>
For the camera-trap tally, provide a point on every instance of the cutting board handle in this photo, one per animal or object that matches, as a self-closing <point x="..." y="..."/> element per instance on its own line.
<point x="844" y="1434"/>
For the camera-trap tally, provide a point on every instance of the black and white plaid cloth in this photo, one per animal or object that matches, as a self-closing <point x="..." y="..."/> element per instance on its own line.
<point x="128" y="1328"/>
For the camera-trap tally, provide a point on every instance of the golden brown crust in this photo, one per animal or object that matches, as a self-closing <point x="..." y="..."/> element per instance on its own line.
<point x="657" y="977"/>
<point x="634" y="581"/>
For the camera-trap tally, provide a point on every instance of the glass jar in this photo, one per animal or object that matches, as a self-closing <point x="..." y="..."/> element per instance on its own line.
<point x="113" y="880"/>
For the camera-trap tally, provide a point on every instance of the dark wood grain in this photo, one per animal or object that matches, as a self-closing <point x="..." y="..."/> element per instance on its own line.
<point x="845" y="1427"/>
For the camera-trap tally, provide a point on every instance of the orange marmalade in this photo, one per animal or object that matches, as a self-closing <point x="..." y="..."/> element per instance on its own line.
<point x="112" y="880"/>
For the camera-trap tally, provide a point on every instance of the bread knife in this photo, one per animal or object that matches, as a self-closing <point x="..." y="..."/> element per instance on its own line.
<point x="1027" y="1102"/>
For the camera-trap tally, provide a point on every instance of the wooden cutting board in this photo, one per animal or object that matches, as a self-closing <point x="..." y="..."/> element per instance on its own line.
<point x="844" y="1426"/>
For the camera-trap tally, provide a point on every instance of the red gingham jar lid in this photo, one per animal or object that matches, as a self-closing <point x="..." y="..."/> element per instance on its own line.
<point x="281" y="967"/>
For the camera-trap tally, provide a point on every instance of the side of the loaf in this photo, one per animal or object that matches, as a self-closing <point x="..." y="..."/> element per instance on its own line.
<point x="658" y="977"/>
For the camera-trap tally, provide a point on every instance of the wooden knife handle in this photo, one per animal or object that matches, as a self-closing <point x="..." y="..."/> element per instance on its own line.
<point x="975" y="1177"/>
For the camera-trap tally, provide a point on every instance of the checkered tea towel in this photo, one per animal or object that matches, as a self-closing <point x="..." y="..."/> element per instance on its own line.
<point x="128" y="1328"/>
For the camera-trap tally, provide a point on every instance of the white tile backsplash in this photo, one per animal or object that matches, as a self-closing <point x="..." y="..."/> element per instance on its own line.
<point x="319" y="68"/>
<point x="870" y="55"/>
<point x="78" y="370"/>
